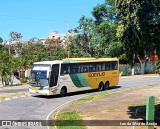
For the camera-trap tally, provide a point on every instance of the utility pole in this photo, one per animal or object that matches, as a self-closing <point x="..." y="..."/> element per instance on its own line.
<point x="66" y="26"/>
<point x="67" y="37"/>
<point x="9" y="48"/>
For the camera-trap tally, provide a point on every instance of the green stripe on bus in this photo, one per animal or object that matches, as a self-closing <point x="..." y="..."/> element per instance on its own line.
<point x="79" y="80"/>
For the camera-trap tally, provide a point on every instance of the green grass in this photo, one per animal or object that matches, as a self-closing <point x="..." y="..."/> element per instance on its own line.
<point x="111" y="110"/>
<point x="136" y="104"/>
<point x="90" y="98"/>
<point x="69" y="120"/>
<point x="95" y="96"/>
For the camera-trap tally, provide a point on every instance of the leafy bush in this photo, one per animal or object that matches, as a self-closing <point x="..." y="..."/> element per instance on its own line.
<point x="125" y="69"/>
<point x="157" y="67"/>
<point x="23" y="79"/>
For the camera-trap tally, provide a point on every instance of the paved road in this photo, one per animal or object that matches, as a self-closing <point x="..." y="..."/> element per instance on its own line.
<point x="38" y="108"/>
<point x="132" y="81"/>
<point x="14" y="90"/>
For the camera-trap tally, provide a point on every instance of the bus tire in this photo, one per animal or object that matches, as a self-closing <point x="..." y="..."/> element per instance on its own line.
<point x="63" y="91"/>
<point x="106" y="85"/>
<point x="101" y="86"/>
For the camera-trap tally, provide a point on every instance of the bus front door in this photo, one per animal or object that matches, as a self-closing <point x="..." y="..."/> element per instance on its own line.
<point x="54" y="75"/>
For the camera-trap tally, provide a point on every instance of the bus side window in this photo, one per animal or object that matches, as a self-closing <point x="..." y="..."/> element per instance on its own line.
<point x="62" y="69"/>
<point x="71" y="70"/>
<point x="107" y="66"/>
<point x="68" y="69"/>
<point x="74" y="69"/>
<point x="98" y="67"/>
<point x="92" y="67"/>
<point x="103" y="66"/>
<point x="114" y="65"/>
<point x="83" y="68"/>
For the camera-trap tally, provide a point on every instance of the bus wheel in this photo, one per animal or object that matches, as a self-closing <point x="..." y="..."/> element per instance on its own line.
<point x="106" y="85"/>
<point x="63" y="91"/>
<point x="101" y="86"/>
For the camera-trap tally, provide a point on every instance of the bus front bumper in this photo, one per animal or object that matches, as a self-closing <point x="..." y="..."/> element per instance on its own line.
<point x="42" y="92"/>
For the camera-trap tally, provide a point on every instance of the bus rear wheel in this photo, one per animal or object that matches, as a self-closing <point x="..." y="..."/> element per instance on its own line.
<point x="106" y="85"/>
<point x="63" y="91"/>
<point x="101" y="86"/>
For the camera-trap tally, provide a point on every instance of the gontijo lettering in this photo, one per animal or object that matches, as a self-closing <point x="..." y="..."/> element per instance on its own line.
<point x="96" y="74"/>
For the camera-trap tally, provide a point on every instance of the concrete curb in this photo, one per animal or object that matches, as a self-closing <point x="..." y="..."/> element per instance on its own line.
<point x="57" y="110"/>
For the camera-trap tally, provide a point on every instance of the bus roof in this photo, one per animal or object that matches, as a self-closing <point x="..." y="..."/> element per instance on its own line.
<point x="72" y="60"/>
<point x="49" y="62"/>
<point x="89" y="59"/>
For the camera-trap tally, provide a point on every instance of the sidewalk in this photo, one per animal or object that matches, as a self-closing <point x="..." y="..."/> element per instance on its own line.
<point x="15" y="82"/>
<point x="12" y="92"/>
<point x="144" y="75"/>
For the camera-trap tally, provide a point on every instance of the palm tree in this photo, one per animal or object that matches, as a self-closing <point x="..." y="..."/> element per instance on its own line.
<point x="6" y="66"/>
<point x="22" y="63"/>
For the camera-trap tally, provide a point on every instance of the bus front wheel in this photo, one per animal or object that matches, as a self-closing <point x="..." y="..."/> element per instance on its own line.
<point x="63" y="91"/>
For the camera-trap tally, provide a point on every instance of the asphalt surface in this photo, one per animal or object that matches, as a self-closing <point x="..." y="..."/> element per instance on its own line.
<point x="38" y="108"/>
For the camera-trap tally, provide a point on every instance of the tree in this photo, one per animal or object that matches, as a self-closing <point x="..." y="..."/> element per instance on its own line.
<point x="22" y="63"/>
<point x="104" y="31"/>
<point x="103" y="37"/>
<point x="6" y="66"/>
<point x="74" y="51"/>
<point x="105" y="12"/>
<point x="60" y="53"/>
<point x="1" y="40"/>
<point x="84" y="34"/>
<point x="15" y="36"/>
<point x="138" y="27"/>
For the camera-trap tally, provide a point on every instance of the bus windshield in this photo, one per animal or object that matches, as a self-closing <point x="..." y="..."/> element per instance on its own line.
<point x="38" y="78"/>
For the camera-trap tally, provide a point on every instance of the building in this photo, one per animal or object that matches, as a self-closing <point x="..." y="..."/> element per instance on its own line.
<point x="59" y="39"/>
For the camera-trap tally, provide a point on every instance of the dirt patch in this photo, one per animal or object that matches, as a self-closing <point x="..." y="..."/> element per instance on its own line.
<point x="128" y="104"/>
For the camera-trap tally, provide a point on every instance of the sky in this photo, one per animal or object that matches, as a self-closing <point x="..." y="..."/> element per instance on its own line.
<point x="36" y="18"/>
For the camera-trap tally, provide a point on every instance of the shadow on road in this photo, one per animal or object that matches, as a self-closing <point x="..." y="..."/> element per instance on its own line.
<point x="139" y="112"/>
<point x="114" y="87"/>
<point x="68" y="94"/>
<point x="76" y="93"/>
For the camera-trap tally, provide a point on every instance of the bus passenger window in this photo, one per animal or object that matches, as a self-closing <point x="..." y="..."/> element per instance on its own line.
<point x="63" y="69"/>
<point x="82" y="68"/>
<point x="107" y="66"/>
<point x="87" y="67"/>
<point x="114" y="65"/>
<point x="64" y="72"/>
<point x="74" y="69"/>
<point x="92" y="68"/>
<point x="103" y="67"/>
<point x="68" y="69"/>
<point x="98" y="67"/>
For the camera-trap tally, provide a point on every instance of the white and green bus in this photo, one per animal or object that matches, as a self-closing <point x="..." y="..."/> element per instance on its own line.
<point x="73" y="74"/>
